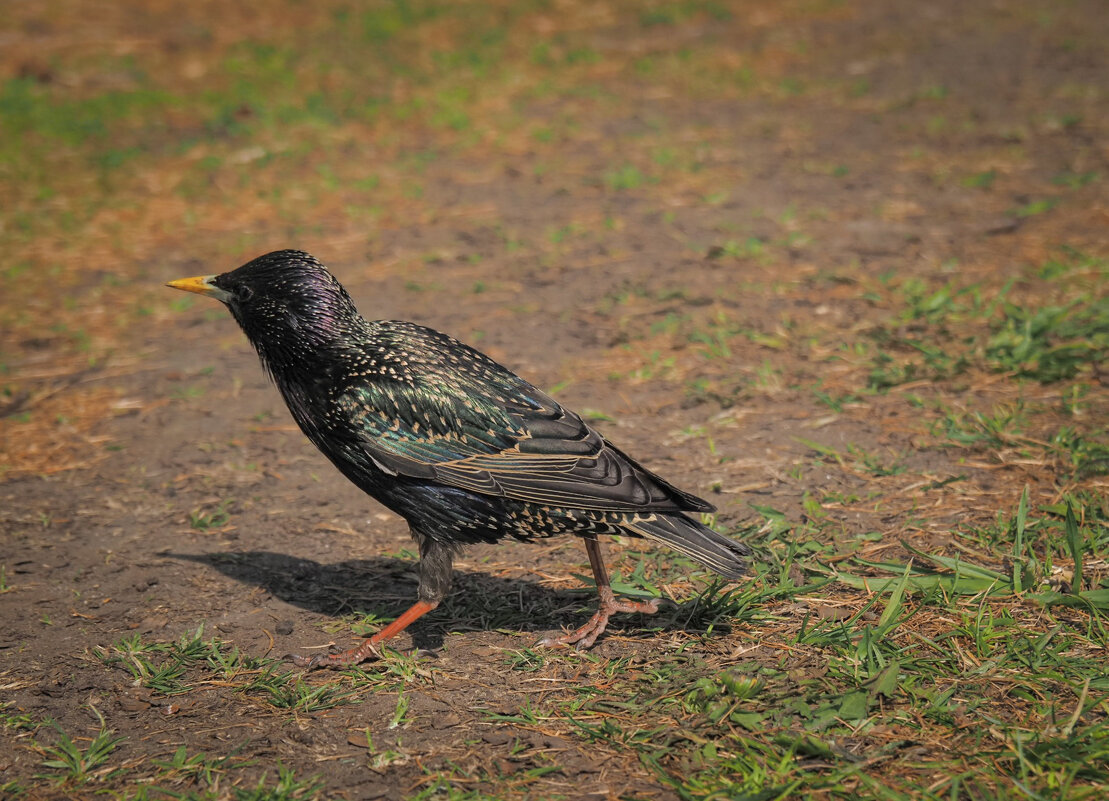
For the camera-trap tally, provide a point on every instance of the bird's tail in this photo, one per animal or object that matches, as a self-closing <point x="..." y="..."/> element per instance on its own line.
<point x="696" y="541"/>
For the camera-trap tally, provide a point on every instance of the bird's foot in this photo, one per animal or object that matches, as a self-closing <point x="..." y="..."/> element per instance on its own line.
<point x="367" y="648"/>
<point x="585" y="636"/>
<point x="337" y="660"/>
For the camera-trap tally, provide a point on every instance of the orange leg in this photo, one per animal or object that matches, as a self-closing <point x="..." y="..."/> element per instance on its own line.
<point x="367" y="648"/>
<point x="585" y="636"/>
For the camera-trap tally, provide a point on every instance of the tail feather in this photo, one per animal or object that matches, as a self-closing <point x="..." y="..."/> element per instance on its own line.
<point x="696" y="541"/>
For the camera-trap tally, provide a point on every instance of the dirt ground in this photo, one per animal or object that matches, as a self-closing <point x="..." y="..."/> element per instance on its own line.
<point x="153" y="482"/>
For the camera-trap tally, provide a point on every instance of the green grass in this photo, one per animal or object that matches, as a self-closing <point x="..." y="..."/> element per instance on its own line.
<point x="762" y="729"/>
<point x="955" y="329"/>
<point x="179" y="667"/>
<point x="86" y="762"/>
<point x="69" y="763"/>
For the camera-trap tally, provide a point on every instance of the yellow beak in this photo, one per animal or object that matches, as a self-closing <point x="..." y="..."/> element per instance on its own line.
<point x="202" y="285"/>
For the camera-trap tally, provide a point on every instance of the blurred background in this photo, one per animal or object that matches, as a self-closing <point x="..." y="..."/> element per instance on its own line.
<point x="559" y="159"/>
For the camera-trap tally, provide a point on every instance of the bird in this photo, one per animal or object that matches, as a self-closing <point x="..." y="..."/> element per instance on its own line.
<point x="462" y="448"/>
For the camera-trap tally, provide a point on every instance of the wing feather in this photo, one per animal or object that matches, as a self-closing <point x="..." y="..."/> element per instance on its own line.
<point x="514" y="442"/>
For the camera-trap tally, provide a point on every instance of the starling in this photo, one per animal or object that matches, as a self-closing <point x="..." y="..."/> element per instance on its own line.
<point x="460" y="447"/>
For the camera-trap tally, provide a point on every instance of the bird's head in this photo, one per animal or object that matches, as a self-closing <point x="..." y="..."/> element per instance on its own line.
<point x="287" y="303"/>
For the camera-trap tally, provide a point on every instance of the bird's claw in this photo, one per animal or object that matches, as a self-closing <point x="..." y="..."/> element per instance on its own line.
<point x="643" y="607"/>
<point x="340" y="659"/>
<point x="583" y="638"/>
<point x="306" y="662"/>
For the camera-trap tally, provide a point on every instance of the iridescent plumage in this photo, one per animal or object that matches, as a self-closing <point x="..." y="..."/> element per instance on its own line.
<point x="462" y="448"/>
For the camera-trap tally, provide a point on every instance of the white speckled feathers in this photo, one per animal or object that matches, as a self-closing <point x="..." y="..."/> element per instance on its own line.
<point x="440" y="410"/>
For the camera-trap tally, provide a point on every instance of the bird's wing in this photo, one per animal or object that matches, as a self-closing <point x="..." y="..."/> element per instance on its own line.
<point x="511" y="440"/>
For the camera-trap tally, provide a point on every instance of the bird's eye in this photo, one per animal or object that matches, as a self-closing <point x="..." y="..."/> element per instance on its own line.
<point x="243" y="293"/>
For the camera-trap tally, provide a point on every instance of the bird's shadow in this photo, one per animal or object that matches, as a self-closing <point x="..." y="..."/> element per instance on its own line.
<point x="385" y="587"/>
